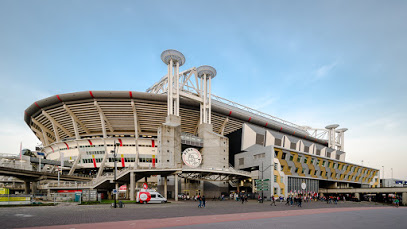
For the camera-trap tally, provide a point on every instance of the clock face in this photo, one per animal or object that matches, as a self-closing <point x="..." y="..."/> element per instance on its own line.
<point x="192" y="157"/>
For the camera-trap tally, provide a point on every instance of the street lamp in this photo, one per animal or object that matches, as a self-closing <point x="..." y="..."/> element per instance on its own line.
<point x="115" y="170"/>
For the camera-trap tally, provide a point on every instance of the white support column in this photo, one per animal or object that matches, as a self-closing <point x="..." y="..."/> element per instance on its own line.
<point x="205" y="100"/>
<point x="169" y="90"/>
<point x="210" y="101"/>
<point x="132" y="185"/>
<point x="45" y="137"/>
<point x="136" y="132"/>
<point x="75" y="128"/>
<point x="56" y="132"/>
<point x="171" y="87"/>
<point x="176" y="186"/>
<point x="222" y="128"/>
<point x="102" y="121"/>
<point x="177" y="88"/>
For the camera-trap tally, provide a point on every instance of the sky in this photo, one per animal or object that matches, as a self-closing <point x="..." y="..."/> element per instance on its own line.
<point x="313" y="63"/>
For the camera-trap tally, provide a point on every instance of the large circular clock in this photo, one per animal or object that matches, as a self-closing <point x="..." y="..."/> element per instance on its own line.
<point x="192" y="157"/>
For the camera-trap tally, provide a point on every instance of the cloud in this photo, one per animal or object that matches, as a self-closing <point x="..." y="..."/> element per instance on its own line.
<point x="324" y="70"/>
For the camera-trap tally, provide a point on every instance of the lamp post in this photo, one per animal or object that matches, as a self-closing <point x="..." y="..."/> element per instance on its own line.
<point x="115" y="171"/>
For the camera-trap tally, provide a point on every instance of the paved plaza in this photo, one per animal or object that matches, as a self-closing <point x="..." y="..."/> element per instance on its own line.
<point x="219" y="214"/>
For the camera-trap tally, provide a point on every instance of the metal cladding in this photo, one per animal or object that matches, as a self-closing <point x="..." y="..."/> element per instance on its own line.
<point x="175" y="55"/>
<point x="208" y="70"/>
<point x="221" y="108"/>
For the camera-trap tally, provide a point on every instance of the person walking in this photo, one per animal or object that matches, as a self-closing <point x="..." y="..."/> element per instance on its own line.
<point x="200" y="201"/>
<point x="291" y="201"/>
<point x="242" y="197"/>
<point x="203" y="201"/>
<point x="273" y="201"/>
<point x="300" y="202"/>
<point x="288" y="201"/>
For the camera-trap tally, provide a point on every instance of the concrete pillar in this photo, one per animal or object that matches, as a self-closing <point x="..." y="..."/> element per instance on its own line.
<point x="132" y="185"/>
<point x="128" y="191"/>
<point x="404" y="199"/>
<point x="145" y="179"/>
<point x="109" y="195"/>
<point x="34" y="187"/>
<point x="117" y="191"/>
<point x="176" y="186"/>
<point x="357" y="196"/>
<point x="26" y="187"/>
<point x="165" y="187"/>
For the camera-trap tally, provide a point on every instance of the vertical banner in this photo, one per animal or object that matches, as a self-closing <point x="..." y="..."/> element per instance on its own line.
<point x="123" y="165"/>
<point x="94" y="160"/>
<point x="153" y="161"/>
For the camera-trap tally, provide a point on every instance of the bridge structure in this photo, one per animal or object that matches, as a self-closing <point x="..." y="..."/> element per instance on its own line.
<point x="130" y="176"/>
<point x="358" y="191"/>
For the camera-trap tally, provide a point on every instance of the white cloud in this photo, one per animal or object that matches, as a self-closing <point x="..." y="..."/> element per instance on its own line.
<point x="324" y="70"/>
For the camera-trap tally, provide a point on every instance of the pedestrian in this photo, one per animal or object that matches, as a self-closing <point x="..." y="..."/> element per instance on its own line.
<point x="200" y="201"/>
<point x="288" y="201"/>
<point x="299" y="202"/>
<point x="273" y="201"/>
<point x="291" y="201"/>
<point x="245" y="197"/>
<point x="242" y="197"/>
<point x="397" y="202"/>
<point x="203" y="201"/>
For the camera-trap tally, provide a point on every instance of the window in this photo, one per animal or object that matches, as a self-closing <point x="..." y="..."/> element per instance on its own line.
<point x="275" y="191"/>
<point x="282" y="167"/>
<point x="323" y="163"/>
<point x="283" y="156"/>
<point x="276" y="153"/>
<point x="289" y="168"/>
<point x="275" y="178"/>
<point x="338" y="157"/>
<point x="315" y="172"/>
<point x="299" y="159"/>
<point x="328" y="154"/>
<point x="260" y="139"/>
<point x="309" y="172"/>
<point x="296" y="170"/>
<point x="318" y="152"/>
<point x="293" y="145"/>
<point x="305" y="160"/>
<point x="329" y="164"/>
<point x="312" y="160"/>
<point x="275" y="166"/>
<point x="320" y="173"/>
<point x="302" y="171"/>
<point x="241" y="161"/>
<point x="306" y="149"/>
<point x="291" y="158"/>
<point x="277" y="142"/>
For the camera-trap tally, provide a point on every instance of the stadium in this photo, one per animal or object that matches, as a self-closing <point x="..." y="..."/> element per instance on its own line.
<point x="178" y="129"/>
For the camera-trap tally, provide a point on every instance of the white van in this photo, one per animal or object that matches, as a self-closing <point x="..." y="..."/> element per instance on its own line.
<point x="150" y="196"/>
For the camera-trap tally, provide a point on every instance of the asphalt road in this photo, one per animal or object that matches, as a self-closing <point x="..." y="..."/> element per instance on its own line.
<point x="17" y="217"/>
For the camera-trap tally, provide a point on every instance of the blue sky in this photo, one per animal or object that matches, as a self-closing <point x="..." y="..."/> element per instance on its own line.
<point x="310" y="62"/>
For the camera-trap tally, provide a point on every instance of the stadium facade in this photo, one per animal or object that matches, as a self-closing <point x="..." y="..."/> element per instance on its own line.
<point x="178" y="124"/>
